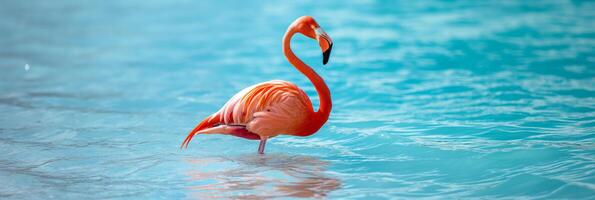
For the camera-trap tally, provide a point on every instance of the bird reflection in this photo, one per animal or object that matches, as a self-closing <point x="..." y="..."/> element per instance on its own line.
<point x="260" y="177"/>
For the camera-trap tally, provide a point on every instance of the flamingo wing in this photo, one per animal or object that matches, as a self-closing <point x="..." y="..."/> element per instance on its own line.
<point x="265" y="109"/>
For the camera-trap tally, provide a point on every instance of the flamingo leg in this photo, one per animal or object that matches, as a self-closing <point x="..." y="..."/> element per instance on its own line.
<point x="263" y="142"/>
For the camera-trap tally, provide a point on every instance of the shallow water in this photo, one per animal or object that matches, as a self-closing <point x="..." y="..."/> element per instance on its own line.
<point x="470" y="99"/>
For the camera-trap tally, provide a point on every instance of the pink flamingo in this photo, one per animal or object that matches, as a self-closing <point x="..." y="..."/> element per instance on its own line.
<point x="276" y="107"/>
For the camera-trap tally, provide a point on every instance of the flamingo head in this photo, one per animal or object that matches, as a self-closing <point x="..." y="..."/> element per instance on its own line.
<point x="308" y="26"/>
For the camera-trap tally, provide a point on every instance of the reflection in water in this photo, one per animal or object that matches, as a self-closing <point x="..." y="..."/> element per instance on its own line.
<point x="261" y="176"/>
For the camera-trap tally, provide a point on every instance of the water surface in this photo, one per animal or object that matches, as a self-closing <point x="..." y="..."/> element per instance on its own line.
<point x="448" y="99"/>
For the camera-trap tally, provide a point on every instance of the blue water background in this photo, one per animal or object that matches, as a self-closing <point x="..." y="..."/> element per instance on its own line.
<point x="436" y="99"/>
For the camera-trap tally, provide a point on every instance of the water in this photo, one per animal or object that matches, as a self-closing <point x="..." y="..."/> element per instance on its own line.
<point x="456" y="99"/>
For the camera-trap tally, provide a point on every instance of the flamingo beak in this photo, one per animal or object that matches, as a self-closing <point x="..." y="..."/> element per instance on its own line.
<point x="326" y="44"/>
<point x="326" y="54"/>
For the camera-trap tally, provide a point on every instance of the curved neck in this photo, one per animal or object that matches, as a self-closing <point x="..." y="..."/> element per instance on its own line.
<point x="324" y="94"/>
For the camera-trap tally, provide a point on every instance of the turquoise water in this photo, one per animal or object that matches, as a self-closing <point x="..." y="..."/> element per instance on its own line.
<point x="434" y="99"/>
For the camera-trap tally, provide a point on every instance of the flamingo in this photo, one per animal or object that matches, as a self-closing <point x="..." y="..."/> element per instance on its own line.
<point x="276" y="107"/>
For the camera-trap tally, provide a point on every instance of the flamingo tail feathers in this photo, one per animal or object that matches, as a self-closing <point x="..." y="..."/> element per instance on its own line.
<point x="209" y="122"/>
<point x="213" y="125"/>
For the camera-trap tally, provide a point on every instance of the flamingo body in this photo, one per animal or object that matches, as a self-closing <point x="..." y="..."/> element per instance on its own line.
<point x="275" y="107"/>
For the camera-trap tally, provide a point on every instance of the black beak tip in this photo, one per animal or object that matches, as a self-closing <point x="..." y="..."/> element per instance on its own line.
<point x="326" y="54"/>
